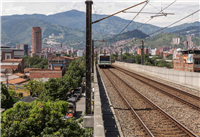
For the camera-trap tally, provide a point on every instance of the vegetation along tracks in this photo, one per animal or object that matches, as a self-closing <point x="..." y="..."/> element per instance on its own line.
<point x="154" y="120"/>
<point x="185" y="97"/>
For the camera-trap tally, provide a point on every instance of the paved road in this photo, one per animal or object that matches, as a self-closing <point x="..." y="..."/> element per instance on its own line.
<point x="80" y="107"/>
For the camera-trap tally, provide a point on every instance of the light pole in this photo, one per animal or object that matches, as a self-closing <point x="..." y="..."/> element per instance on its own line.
<point x="88" y="54"/>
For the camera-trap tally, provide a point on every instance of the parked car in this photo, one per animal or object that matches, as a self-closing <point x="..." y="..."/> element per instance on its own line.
<point x="78" y="93"/>
<point x="73" y="101"/>
<point x="75" y="96"/>
<point x="78" y="90"/>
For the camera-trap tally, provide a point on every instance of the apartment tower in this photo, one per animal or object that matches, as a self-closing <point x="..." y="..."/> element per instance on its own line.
<point x="36" y="41"/>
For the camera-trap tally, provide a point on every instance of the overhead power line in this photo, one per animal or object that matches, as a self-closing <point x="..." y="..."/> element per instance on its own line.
<point x="156" y="14"/>
<point x="174" y="22"/>
<point x="129" y="22"/>
<point x="126" y="25"/>
<point x="119" y="12"/>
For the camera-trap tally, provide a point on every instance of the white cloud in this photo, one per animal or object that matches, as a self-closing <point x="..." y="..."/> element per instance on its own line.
<point x="181" y="8"/>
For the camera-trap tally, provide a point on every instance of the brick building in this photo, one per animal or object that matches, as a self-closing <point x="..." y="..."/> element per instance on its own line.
<point x="187" y="60"/>
<point x="139" y="52"/>
<point x="45" y="73"/>
<point x="36" y="41"/>
<point x="10" y="53"/>
<point x="59" y="62"/>
<point x="13" y="65"/>
<point x="146" y="51"/>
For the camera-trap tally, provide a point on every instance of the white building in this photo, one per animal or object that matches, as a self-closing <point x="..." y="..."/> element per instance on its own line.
<point x="176" y="41"/>
<point x="153" y="51"/>
<point x="79" y="53"/>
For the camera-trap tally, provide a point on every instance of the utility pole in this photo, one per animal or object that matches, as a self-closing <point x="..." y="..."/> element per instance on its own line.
<point x="121" y="53"/>
<point x="96" y="57"/>
<point x="88" y="54"/>
<point x="116" y="55"/>
<point x="92" y="56"/>
<point x="142" y="53"/>
<point x="187" y="45"/>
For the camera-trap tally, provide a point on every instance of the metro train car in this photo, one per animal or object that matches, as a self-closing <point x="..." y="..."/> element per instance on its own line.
<point x="104" y="60"/>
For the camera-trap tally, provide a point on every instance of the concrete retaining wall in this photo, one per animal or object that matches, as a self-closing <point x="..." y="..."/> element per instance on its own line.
<point x="183" y="77"/>
<point x="98" y="120"/>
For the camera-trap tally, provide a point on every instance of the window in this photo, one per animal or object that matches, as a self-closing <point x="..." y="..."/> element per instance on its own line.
<point x="104" y="58"/>
<point x="197" y="61"/>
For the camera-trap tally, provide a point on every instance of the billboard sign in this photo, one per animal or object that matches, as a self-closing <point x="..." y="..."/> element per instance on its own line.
<point x="190" y="58"/>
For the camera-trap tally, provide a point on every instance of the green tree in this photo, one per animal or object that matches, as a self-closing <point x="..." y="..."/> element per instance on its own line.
<point x="41" y="119"/>
<point x="34" y="86"/>
<point x="6" y="100"/>
<point x="12" y="93"/>
<point x="54" y="90"/>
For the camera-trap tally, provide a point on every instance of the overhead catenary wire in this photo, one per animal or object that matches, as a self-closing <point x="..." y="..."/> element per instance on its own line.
<point x="174" y="23"/>
<point x="125" y="26"/>
<point x="143" y="23"/>
<point x="156" y="14"/>
<point x="97" y="19"/>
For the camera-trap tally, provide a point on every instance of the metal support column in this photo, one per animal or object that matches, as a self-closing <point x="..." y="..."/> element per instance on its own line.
<point x="142" y="53"/>
<point x="96" y="57"/>
<point x="92" y="56"/>
<point x="88" y="54"/>
<point x="121" y="53"/>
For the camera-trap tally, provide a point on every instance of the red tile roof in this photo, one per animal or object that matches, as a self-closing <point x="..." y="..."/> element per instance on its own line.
<point x="16" y="81"/>
<point x="67" y="57"/>
<point x="12" y="60"/>
<point x="2" y="74"/>
<point x="43" y="70"/>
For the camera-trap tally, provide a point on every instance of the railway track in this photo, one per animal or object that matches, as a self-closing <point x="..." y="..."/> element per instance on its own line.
<point x="184" y="97"/>
<point x="154" y="120"/>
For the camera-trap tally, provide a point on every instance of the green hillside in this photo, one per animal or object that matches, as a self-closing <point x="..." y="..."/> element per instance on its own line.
<point x="19" y="31"/>
<point x="165" y="39"/>
<point x="113" y="25"/>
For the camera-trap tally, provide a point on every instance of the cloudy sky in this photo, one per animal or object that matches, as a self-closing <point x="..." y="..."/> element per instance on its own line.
<point x="180" y="8"/>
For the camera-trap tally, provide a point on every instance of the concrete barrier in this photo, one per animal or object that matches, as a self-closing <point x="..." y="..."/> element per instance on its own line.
<point x="98" y="120"/>
<point x="191" y="79"/>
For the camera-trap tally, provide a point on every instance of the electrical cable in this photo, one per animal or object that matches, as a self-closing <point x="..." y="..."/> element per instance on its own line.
<point x="145" y="22"/>
<point x="174" y="23"/>
<point x="97" y="19"/>
<point x="156" y="14"/>
<point x="129" y="22"/>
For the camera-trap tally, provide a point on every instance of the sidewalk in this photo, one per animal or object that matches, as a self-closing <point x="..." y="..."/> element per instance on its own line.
<point x="80" y="107"/>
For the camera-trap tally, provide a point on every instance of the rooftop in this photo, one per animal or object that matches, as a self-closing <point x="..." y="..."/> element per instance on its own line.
<point x="67" y="57"/>
<point x="2" y="74"/>
<point x="20" y="74"/>
<point x="8" y="64"/>
<point x="27" y="99"/>
<point x="43" y="70"/>
<point x="16" y="81"/>
<point x="12" y="60"/>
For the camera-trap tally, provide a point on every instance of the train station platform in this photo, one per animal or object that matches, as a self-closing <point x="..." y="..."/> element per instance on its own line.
<point x="105" y="121"/>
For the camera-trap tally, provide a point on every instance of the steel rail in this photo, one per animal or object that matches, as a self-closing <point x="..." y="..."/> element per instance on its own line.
<point x="180" y="125"/>
<point x="129" y="106"/>
<point x="170" y="94"/>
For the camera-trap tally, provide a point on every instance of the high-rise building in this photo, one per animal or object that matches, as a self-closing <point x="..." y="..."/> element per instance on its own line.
<point x="36" y="41"/>
<point x="189" y="38"/>
<point x="176" y="41"/>
<point x="79" y="53"/>
<point x="72" y="49"/>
